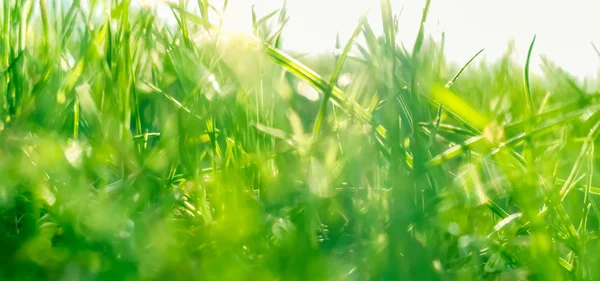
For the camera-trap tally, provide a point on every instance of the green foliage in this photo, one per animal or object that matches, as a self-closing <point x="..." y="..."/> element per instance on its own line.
<point x="135" y="150"/>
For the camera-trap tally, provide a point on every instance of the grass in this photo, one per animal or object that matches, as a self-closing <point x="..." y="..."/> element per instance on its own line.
<point x="136" y="150"/>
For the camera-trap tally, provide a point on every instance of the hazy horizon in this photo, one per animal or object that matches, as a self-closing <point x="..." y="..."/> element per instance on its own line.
<point x="564" y="30"/>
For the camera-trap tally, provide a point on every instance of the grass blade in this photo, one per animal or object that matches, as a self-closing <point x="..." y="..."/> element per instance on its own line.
<point x="462" y="69"/>
<point x="334" y="78"/>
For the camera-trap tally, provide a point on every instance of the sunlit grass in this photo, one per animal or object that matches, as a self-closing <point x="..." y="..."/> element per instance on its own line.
<point x="137" y="149"/>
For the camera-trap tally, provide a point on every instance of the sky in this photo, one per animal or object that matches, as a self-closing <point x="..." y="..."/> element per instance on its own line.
<point x="565" y="29"/>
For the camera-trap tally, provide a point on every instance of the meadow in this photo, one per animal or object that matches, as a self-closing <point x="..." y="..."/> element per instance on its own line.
<point x="132" y="149"/>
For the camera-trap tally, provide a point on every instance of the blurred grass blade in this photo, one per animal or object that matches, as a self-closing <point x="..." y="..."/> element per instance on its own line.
<point x="528" y="96"/>
<point x="462" y="69"/>
<point x="585" y="148"/>
<point x="388" y="25"/>
<point x="466" y="112"/>
<point x="421" y="33"/>
<point x="334" y="77"/>
<point x="595" y="49"/>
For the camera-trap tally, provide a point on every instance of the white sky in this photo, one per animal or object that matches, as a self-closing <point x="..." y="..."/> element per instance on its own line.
<point x="564" y="28"/>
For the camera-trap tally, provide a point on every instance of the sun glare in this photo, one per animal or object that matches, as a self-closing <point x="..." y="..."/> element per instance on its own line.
<point x="565" y="31"/>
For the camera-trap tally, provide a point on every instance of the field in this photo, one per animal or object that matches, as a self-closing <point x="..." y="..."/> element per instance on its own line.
<point x="131" y="149"/>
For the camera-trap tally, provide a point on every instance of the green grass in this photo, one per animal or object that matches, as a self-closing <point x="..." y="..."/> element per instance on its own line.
<point x="135" y="150"/>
